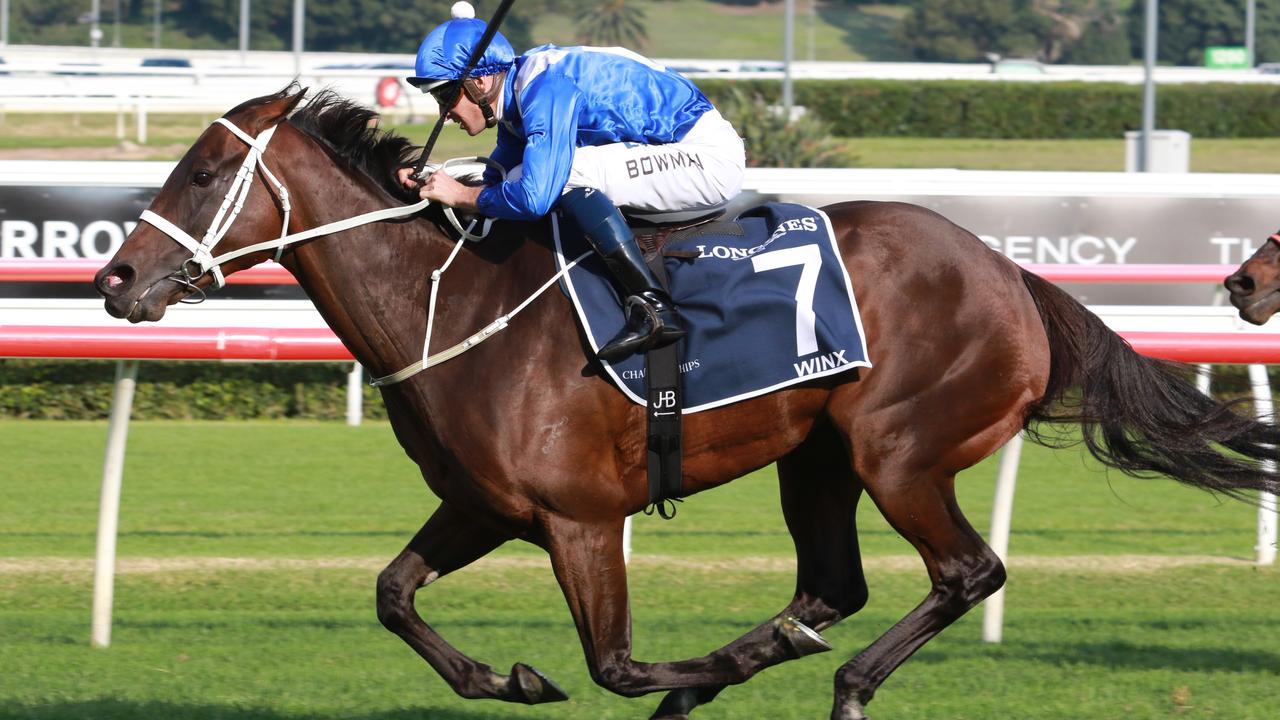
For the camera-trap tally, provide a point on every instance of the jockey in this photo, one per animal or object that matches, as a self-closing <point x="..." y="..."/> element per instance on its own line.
<point x="583" y="130"/>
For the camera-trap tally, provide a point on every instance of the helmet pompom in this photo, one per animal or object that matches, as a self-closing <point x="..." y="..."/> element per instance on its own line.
<point x="445" y="51"/>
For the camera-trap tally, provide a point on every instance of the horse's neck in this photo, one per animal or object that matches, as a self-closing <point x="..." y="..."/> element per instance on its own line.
<point x="366" y="281"/>
<point x="372" y="283"/>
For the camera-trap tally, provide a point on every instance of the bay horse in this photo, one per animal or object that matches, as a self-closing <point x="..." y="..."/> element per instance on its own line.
<point x="524" y="437"/>
<point x="1254" y="288"/>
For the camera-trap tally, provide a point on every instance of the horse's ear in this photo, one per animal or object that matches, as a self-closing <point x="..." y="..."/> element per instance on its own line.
<point x="260" y="116"/>
<point x="281" y="108"/>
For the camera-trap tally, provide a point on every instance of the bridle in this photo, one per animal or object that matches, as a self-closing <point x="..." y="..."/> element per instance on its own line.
<point x="203" y="260"/>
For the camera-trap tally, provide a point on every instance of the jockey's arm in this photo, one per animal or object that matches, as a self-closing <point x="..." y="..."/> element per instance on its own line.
<point x="549" y="113"/>
<point x="506" y="153"/>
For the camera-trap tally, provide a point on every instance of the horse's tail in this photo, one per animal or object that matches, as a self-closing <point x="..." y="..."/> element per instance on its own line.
<point x="1140" y="415"/>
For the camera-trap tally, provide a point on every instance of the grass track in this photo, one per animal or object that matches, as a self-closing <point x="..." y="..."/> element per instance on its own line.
<point x="302" y="642"/>
<point x="311" y="489"/>
<point x="266" y="645"/>
<point x="170" y="135"/>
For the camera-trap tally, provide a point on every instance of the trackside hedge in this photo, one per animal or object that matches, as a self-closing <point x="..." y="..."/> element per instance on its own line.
<point x="1022" y="110"/>
<point x="81" y="390"/>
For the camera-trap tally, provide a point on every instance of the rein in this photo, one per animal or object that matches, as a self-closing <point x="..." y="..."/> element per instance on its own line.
<point x="203" y="260"/>
<point x="485" y="333"/>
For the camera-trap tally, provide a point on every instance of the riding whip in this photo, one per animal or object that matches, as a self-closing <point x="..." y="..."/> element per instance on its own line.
<point x="476" y="54"/>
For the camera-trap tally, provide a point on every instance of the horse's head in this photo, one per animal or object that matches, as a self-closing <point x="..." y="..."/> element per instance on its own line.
<point x="1255" y="287"/>
<point x="218" y="194"/>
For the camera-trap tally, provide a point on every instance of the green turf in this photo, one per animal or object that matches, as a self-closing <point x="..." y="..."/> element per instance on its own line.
<point x="1194" y="643"/>
<point x="699" y="29"/>
<point x="277" y="644"/>
<point x="171" y="134"/>
<point x="308" y="489"/>
<point x="94" y="129"/>
<point x="1242" y="155"/>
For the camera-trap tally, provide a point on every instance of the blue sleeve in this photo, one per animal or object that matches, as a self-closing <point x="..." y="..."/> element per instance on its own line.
<point x="507" y="153"/>
<point x="549" y="112"/>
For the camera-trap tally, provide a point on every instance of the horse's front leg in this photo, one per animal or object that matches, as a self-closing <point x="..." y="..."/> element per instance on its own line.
<point x="587" y="559"/>
<point x="448" y="541"/>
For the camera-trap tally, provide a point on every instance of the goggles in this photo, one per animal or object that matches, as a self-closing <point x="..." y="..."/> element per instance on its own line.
<point x="442" y="91"/>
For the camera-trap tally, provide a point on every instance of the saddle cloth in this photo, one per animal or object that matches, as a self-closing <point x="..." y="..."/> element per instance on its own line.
<point x="766" y="299"/>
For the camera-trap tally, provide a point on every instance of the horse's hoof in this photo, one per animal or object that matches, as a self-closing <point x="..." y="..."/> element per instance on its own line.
<point x="680" y="702"/>
<point x="800" y="638"/>
<point x="532" y="687"/>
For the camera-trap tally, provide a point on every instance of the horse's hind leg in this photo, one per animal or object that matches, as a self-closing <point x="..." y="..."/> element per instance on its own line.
<point x="921" y="505"/>
<point x="448" y="541"/>
<point x="819" y="501"/>
<point x="587" y="558"/>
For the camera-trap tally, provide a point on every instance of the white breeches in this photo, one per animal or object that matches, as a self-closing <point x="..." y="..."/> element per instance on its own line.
<point x="703" y="170"/>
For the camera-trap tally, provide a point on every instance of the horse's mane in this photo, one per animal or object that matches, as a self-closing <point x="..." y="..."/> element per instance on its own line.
<point x="350" y="131"/>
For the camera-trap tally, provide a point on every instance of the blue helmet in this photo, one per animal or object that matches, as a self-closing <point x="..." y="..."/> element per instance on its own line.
<point x="444" y="53"/>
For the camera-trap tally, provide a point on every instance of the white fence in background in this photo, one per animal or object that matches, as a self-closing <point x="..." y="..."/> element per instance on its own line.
<point x="72" y="89"/>
<point x="47" y="59"/>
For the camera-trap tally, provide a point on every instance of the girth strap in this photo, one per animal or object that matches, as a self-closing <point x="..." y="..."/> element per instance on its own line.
<point x="665" y="427"/>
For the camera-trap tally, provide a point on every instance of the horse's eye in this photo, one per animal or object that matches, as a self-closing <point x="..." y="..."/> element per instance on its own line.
<point x="200" y="178"/>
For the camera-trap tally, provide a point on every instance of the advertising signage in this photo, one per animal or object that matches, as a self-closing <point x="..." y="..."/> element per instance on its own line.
<point x="68" y="222"/>
<point x="1228" y="57"/>
<point x="1075" y="223"/>
<point x="56" y="221"/>
<point x="1104" y="231"/>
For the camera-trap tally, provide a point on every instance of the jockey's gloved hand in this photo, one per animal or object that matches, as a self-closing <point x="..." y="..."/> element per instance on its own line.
<point x="405" y="176"/>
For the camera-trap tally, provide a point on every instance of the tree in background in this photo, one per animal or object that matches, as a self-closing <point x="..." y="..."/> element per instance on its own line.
<point x="391" y="26"/>
<point x="613" y="22"/>
<point x="966" y="30"/>
<point x="1187" y="27"/>
<point x="1107" y="43"/>
<point x="394" y="26"/>
<point x="49" y="21"/>
<point x="1082" y="31"/>
<point x="49" y="12"/>
<point x="752" y="3"/>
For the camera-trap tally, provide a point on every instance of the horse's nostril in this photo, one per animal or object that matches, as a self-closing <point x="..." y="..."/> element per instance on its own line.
<point x="115" y="280"/>
<point x="1240" y="284"/>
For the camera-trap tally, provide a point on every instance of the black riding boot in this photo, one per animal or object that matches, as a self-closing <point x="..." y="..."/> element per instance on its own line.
<point x="652" y="321"/>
